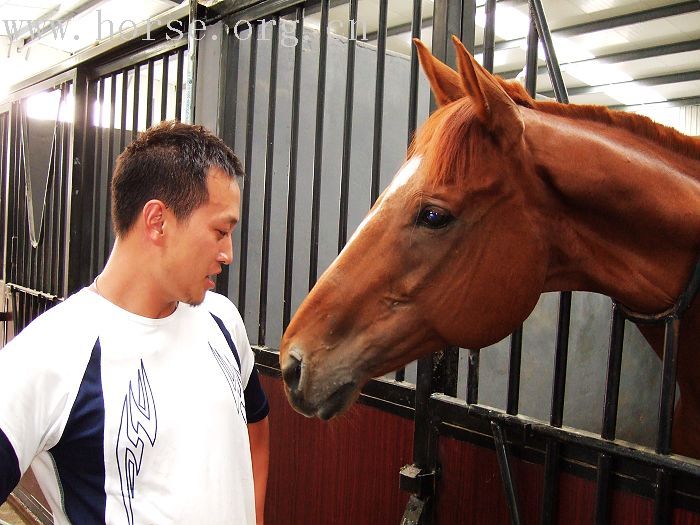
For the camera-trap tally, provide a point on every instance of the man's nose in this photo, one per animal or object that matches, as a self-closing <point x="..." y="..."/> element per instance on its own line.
<point x="226" y="254"/>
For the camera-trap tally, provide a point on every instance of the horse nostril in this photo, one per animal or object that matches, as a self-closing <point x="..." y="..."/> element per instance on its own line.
<point x="291" y="373"/>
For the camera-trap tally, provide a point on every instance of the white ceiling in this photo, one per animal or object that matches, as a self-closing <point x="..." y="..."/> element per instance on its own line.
<point x="85" y="22"/>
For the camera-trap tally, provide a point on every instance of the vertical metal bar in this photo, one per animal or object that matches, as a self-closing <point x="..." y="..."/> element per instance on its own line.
<point x="347" y="132"/>
<point x="506" y="475"/>
<point x="416" y="21"/>
<point x="292" y="183"/>
<point x="668" y="386"/>
<point x="531" y="61"/>
<point x="267" y="204"/>
<point x="149" y="94"/>
<point x="560" y="360"/>
<point x="318" y="146"/>
<point x="100" y="177"/>
<point x="516" y="348"/>
<point x="192" y="61"/>
<point x="473" y="376"/>
<point x="137" y="102"/>
<point x="379" y="101"/>
<point x="551" y="474"/>
<point x="489" y="34"/>
<point x="602" y="495"/>
<point x="424" y="431"/>
<point x="178" y="83"/>
<point x="164" y="88"/>
<point x="468" y="24"/>
<point x="125" y="99"/>
<point x="110" y="160"/>
<point x="537" y="13"/>
<point x="551" y="483"/>
<point x="612" y="388"/>
<point x="248" y="161"/>
<point x="662" y="498"/>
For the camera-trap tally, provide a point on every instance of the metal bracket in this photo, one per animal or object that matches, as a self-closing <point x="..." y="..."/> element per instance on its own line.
<point x="417" y="481"/>
<point x="415" y="511"/>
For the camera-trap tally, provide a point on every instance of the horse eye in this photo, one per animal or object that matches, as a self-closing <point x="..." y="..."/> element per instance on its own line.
<point x="433" y="218"/>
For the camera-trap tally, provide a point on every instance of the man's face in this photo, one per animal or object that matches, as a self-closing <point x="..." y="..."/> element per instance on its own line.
<point x="198" y="246"/>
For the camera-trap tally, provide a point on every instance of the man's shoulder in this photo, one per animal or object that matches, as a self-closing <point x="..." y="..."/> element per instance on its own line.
<point x="222" y="307"/>
<point x="65" y="324"/>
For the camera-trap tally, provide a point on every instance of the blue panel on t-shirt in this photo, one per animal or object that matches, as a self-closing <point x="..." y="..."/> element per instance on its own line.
<point x="9" y="467"/>
<point x="79" y="455"/>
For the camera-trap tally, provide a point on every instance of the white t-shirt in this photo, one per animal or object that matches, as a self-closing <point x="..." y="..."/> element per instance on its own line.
<point x="132" y="420"/>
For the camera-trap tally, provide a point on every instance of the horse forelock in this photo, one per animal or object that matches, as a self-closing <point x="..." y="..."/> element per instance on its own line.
<point x="447" y="143"/>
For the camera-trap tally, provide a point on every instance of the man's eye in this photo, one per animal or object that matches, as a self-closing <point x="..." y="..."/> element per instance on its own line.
<point x="433" y="218"/>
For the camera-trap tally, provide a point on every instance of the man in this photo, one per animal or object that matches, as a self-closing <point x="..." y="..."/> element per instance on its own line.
<point x="136" y="400"/>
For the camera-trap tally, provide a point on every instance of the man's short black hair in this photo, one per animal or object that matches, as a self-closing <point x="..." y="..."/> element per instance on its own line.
<point x="170" y="162"/>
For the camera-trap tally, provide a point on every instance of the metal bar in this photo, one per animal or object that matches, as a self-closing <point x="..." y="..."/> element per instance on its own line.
<point x="32" y="292"/>
<point x="668" y="386"/>
<point x="413" y="76"/>
<point x="602" y="495"/>
<point x="531" y="70"/>
<point x="489" y="34"/>
<point x="550" y="492"/>
<point x="537" y="13"/>
<point x="379" y="102"/>
<point x="468" y="33"/>
<point x="137" y="102"/>
<point x="267" y="203"/>
<point x="164" y="88"/>
<point x="454" y="414"/>
<point x="98" y="233"/>
<point x="178" y="83"/>
<point x="347" y="134"/>
<point x="149" y="94"/>
<point x="292" y="184"/>
<point x="110" y="159"/>
<point x="248" y="162"/>
<point x="662" y="498"/>
<point x="560" y="360"/>
<point x="192" y="61"/>
<point x="318" y="145"/>
<point x="473" y="376"/>
<point x="506" y="475"/>
<point x="612" y="388"/>
<point x="122" y="120"/>
<point x="516" y="349"/>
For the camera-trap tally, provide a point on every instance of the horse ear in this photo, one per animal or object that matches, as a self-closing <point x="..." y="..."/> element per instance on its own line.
<point x="493" y="106"/>
<point x="444" y="81"/>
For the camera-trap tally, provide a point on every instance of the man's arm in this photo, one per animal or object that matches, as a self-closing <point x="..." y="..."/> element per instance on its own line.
<point x="259" y="435"/>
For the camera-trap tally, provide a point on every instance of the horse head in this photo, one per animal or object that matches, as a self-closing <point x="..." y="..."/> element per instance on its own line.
<point x="452" y="252"/>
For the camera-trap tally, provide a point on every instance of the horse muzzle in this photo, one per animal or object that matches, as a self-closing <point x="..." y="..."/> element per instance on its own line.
<point x="315" y="397"/>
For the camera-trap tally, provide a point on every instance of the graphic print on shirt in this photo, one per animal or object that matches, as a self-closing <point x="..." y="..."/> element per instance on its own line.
<point x="138" y="426"/>
<point x="235" y="383"/>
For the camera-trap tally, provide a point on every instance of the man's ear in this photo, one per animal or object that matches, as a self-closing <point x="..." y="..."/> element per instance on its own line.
<point x="154" y="212"/>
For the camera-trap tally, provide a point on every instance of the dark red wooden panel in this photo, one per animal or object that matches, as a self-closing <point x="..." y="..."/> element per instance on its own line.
<point x="345" y="471"/>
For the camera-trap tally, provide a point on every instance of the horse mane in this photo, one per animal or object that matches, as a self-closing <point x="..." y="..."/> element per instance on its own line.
<point x="442" y="141"/>
<point x="640" y="125"/>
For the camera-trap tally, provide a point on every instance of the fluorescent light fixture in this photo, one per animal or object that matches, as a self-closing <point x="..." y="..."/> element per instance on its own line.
<point x="510" y="23"/>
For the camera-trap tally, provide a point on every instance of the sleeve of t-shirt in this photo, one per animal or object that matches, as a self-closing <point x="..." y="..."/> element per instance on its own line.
<point x="34" y="400"/>
<point x="256" y="404"/>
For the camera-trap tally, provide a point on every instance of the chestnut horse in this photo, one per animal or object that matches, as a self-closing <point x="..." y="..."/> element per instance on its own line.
<point x="502" y="198"/>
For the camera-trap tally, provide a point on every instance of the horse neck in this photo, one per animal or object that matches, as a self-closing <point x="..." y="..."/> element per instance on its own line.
<point x="622" y="213"/>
